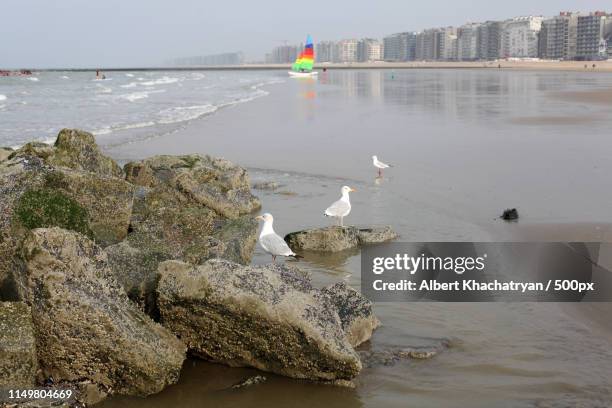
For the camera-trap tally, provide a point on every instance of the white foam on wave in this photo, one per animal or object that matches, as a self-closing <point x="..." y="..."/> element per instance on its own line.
<point x="103" y="89"/>
<point x="161" y="81"/>
<point x="185" y="113"/>
<point x="129" y="75"/>
<point x="134" y="96"/>
<point x="34" y="79"/>
<point x="2" y="97"/>
<point x="110" y="129"/>
<point x="130" y="85"/>
<point x="65" y="77"/>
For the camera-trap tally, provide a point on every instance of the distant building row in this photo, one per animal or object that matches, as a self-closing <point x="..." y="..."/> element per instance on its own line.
<point x="229" y="58"/>
<point x="566" y="36"/>
<point x="351" y="50"/>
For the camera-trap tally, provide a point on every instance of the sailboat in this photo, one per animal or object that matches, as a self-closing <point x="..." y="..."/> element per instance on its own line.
<point x="302" y="67"/>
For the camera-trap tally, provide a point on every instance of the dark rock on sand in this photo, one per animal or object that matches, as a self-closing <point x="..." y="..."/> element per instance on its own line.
<point x="266" y="185"/>
<point x="510" y="214"/>
<point x="256" y="316"/>
<point x="256" y="379"/>
<point x="391" y="357"/>
<point x="354" y="310"/>
<point x="86" y="328"/>
<point x="336" y="238"/>
<point x="189" y="208"/>
<point x="18" y="364"/>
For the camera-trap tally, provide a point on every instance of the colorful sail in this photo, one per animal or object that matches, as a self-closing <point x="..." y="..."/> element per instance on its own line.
<point x="305" y="60"/>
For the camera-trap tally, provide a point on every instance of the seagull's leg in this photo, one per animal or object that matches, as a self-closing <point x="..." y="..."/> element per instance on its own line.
<point x="273" y="258"/>
<point x="341" y="223"/>
<point x="379" y="172"/>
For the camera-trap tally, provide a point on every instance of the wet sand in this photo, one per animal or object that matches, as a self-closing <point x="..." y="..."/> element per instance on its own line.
<point x="459" y="161"/>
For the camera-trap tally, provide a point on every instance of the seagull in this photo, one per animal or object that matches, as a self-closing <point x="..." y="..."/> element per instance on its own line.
<point x="342" y="207"/>
<point x="379" y="165"/>
<point x="270" y="241"/>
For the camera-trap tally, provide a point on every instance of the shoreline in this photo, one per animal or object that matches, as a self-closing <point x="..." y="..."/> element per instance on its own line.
<point x="544" y="65"/>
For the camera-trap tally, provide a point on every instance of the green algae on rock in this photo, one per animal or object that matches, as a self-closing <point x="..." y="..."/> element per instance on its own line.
<point x="42" y="208"/>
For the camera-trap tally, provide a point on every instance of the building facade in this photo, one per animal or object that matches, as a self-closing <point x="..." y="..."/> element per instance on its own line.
<point x="324" y="51"/>
<point x="446" y="44"/>
<point x="346" y="51"/>
<point x="369" y="50"/>
<point x="593" y="33"/>
<point x="520" y="37"/>
<point x="426" y="48"/>
<point x="558" y="37"/>
<point x="488" y="39"/>
<point x="467" y="42"/>
<point x="399" y="47"/>
<point x="284" y="54"/>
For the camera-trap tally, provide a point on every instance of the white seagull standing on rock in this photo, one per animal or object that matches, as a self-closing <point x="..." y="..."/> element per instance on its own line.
<point x="270" y="241"/>
<point x="379" y="165"/>
<point x="342" y="207"/>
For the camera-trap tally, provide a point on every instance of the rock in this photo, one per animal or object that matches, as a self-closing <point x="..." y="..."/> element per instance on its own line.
<point x="354" y="310"/>
<point x="18" y="364"/>
<point x="256" y="316"/>
<point x="5" y="152"/>
<point x="375" y="235"/>
<point x="34" y="194"/>
<point x="171" y="220"/>
<point x="86" y="327"/>
<point x="74" y="149"/>
<point x="336" y="238"/>
<point x="391" y="357"/>
<point x="216" y="183"/>
<point x="510" y="214"/>
<point x="266" y="185"/>
<point x="247" y="382"/>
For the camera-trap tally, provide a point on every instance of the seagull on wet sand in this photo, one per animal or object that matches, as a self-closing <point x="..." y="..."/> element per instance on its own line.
<point x="342" y="207"/>
<point x="270" y="241"/>
<point x="379" y="165"/>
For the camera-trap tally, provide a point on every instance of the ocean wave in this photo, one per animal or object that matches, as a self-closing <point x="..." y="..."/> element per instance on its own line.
<point x="185" y="113"/>
<point x="130" y="85"/>
<point x="129" y="75"/>
<point x="103" y="89"/>
<point x="134" y="96"/>
<point x="161" y="81"/>
<point x="65" y="77"/>
<point x="34" y="79"/>
<point x="2" y="97"/>
<point x="110" y="129"/>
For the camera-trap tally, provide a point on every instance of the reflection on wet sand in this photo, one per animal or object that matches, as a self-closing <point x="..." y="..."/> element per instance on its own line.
<point x="334" y="261"/>
<point x="205" y="384"/>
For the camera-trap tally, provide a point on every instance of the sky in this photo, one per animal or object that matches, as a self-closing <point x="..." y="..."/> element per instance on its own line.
<point x="123" y="33"/>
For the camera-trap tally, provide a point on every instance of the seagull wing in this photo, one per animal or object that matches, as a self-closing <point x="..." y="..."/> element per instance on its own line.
<point x="275" y="245"/>
<point x="338" y="209"/>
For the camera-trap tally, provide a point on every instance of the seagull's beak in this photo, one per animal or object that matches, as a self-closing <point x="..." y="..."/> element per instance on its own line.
<point x="352" y="190"/>
<point x="259" y="217"/>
